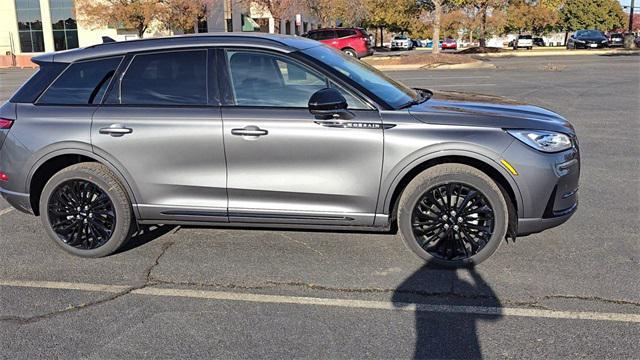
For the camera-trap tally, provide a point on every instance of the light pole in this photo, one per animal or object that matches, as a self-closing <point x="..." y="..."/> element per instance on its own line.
<point x="631" y="16"/>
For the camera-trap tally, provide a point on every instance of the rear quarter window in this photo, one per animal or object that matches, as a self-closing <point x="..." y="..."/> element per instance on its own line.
<point x="82" y="83"/>
<point x="38" y="82"/>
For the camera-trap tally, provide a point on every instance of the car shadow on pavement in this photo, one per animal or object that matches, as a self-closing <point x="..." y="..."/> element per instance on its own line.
<point x="145" y="234"/>
<point x="443" y="334"/>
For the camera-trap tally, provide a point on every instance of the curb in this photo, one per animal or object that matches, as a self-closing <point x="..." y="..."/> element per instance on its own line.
<point x="555" y="53"/>
<point x="472" y="65"/>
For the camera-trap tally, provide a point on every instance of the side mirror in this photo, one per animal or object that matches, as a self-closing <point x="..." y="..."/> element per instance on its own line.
<point x="328" y="103"/>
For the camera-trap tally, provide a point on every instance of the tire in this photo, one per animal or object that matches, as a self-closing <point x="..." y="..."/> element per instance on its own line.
<point x="78" y="230"/>
<point x="350" y="52"/>
<point x="467" y="177"/>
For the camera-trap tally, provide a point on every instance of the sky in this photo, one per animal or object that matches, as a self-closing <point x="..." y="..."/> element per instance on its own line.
<point x="627" y="2"/>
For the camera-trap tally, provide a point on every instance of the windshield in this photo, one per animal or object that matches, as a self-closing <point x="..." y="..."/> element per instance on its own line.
<point x="589" y="33"/>
<point x="387" y="89"/>
<point x="399" y="37"/>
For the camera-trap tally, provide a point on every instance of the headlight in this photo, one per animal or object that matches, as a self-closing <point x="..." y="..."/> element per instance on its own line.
<point x="546" y="141"/>
<point x="604" y="41"/>
<point x="580" y="41"/>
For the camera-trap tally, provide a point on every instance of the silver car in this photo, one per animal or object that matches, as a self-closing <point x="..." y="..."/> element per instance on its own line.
<point x="275" y="131"/>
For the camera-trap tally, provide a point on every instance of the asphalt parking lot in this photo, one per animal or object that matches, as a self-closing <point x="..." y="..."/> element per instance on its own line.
<point x="573" y="291"/>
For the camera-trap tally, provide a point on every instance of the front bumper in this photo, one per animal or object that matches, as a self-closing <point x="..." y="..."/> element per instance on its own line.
<point x="548" y="185"/>
<point x="19" y="201"/>
<point x="590" y="45"/>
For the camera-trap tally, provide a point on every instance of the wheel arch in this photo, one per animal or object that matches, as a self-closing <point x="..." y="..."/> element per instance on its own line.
<point x="49" y="164"/>
<point x="480" y="162"/>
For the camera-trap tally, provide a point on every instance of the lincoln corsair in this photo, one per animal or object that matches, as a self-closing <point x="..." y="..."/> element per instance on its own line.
<point x="275" y="131"/>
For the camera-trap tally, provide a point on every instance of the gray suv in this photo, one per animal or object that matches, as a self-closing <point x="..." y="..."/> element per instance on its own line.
<point x="275" y="131"/>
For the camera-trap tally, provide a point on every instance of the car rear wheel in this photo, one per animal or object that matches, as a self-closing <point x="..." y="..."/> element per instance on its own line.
<point x="86" y="211"/>
<point x="453" y="215"/>
<point x="350" y="52"/>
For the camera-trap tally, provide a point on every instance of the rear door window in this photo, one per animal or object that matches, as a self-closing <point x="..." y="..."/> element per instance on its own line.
<point x="345" y="32"/>
<point x="167" y="78"/>
<point x="82" y="83"/>
<point x="326" y="35"/>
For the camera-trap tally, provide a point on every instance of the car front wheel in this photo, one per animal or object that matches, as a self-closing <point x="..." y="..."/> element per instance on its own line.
<point x="86" y="211"/>
<point x="453" y="215"/>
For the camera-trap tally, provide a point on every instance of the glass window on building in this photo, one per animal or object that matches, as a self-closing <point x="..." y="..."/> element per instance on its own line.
<point x="29" y="25"/>
<point x="63" y="21"/>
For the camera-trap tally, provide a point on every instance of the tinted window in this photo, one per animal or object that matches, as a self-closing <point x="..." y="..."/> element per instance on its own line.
<point x="526" y="37"/>
<point x="261" y="79"/>
<point x="38" y="82"/>
<point x="170" y="78"/>
<point x="325" y="35"/>
<point x="82" y="83"/>
<point x="345" y="32"/>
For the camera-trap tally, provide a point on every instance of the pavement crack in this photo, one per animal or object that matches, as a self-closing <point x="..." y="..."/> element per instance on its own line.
<point x="291" y="238"/>
<point x="73" y="308"/>
<point x="592" y="298"/>
<point x="148" y="272"/>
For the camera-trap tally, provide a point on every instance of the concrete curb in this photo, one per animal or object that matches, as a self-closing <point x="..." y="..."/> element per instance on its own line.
<point x="555" y="53"/>
<point x="472" y="65"/>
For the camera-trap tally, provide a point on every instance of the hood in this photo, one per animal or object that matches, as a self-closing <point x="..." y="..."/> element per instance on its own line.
<point x="467" y="109"/>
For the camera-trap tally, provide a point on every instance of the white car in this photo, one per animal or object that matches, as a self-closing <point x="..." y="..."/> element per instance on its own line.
<point x="401" y="42"/>
<point x="523" y="41"/>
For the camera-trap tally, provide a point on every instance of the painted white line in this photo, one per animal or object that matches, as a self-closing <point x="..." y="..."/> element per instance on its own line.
<point x="6" y="211"/>
<point x="65" y="286"/>
<point x="346" y="303"/>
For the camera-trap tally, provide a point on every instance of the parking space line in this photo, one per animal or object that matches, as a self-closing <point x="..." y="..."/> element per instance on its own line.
<point x="345" y="303"/>
<point x="6" y="211"/>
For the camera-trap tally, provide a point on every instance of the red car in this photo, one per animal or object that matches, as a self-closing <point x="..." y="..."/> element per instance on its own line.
<point x="354" y="42"/>
<point x="449" y="44"/>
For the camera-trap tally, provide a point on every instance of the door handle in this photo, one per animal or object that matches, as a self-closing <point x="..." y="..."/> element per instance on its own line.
<point x="249" y="131"/>
<point x="116" y="130"/>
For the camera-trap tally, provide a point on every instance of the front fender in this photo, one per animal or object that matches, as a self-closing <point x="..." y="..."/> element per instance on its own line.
<point x="394" y="176"/>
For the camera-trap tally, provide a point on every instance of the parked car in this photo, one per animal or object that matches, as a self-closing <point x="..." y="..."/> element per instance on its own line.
<point x="616" y="40"/>
<point x="402" y="42"/>
<point x="523" y="41"/>
<point x="449" y="44"/>
<point x="430" y="44"/>
<point x="421" y="43"/>
<point x="587" y="39"/>
<point x="538" y="41"/>
<point x="271" y="131"/>
<point x="355" y="42"/>
<point x="637" y="41"/>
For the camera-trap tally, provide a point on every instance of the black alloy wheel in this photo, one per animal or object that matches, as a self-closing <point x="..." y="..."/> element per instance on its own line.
<point x="453" y="221"/>
<point x="81" y="214"/>
<point x="86" y="210"/>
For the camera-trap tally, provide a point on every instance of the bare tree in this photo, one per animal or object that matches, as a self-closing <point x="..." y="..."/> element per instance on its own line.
<point x="142" y="14"/>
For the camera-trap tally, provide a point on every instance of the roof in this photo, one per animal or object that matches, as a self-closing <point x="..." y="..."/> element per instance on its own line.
<point x="283" y="43"/>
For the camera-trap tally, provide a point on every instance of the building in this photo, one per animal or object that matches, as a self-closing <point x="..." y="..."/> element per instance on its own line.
<point x="30" y="27"/>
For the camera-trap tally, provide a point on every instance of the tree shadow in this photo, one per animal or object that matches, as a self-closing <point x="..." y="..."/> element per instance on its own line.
<point x="450" y="332"/>
<point x="145" y="234"/>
